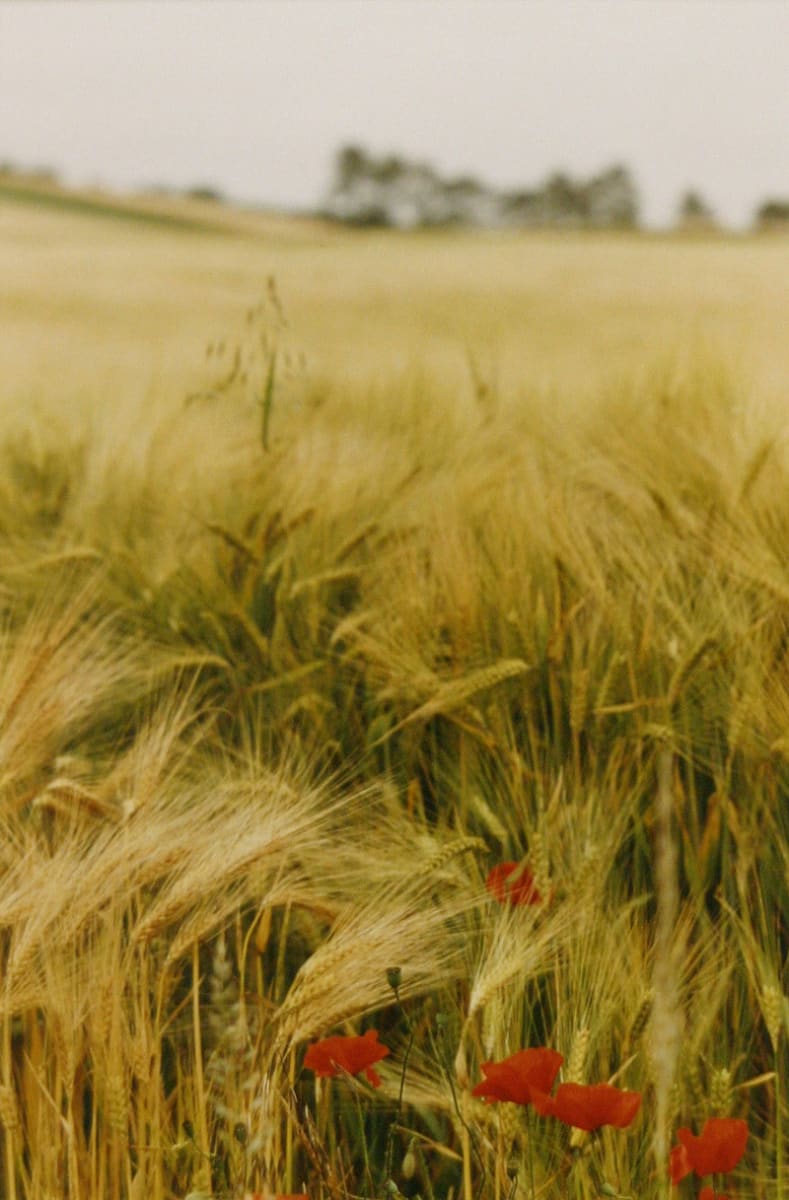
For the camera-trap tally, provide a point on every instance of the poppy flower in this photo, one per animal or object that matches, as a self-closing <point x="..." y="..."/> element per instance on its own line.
<point x="718" y="1148"/>
<point x="520" y="1076"/>
<point x="512" y="883"/>
<point x="352" y="1054"/>
<point x="708" y="1193"/>
<point x="590" y="1106"/>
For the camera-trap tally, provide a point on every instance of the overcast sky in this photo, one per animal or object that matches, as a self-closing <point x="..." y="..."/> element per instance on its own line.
<point x="255" y="96"/>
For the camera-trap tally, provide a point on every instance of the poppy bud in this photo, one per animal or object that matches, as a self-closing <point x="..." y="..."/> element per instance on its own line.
<point x="394" y="976"/>
<point x="408" y="1167"/>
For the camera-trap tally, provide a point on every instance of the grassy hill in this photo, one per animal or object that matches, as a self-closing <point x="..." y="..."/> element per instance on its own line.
<point x="173" y="213"/>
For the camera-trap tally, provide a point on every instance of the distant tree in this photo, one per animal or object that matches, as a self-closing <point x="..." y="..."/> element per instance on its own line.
<point x="523" y="208"/>
<point x="388" y="170"/>
<point x="612" y="199"/>
<point x="352" y="164"/>
<point x="421" y="199"/>
<point x="204" y="191"/>
<point x="470" y="202"/>
<point x="355" y="196"/>
<point x="773" y="214"/>
<point x="694" y="212"/>
<point x="386" y="191"/>
<point x="465" y="185"/>
<point x="564" y="202"/>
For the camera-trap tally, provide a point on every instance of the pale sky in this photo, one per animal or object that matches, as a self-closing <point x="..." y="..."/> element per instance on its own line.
<point x="255" y="96"/>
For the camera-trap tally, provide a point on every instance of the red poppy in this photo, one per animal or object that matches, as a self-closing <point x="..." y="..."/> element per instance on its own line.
<point x="708" y="1193"/>
<point x="521" y="1075"/>
<point x="589" y="1107"/>
<point x="512" y="883"/>
<point x="351" y="1054"/>
<point x="718" y="1148"/>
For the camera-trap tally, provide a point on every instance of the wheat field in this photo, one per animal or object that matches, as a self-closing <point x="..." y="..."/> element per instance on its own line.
<point x="336" y="572"/>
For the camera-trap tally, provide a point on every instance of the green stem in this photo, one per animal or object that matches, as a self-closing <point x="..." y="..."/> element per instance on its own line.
<point x="360" y="1115"/>
<point x="446" y="1064"/>
<point x="411" y="1034"/>
<point x="529" y="1130"/>
<point x="779" y="1147"/>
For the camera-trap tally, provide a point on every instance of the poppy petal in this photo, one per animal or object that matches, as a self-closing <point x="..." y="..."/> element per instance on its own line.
<point x="719" y="1146"/>
<point x="589" y="1107"/>
<point x="518" y="1077"/>
<point x="513" y="883"/>
<point x="544" y="1104"/>
<point x="679" y="1164"/>
<point x="352" y="1054"/>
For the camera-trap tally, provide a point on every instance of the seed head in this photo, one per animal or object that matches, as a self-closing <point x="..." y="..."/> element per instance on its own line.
<point x="577" y="1059"/>
<point x="771" y="1011"/>
<point x="720" y="1091"/>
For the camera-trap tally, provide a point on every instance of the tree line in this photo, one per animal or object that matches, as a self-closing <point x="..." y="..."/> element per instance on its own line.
<point x="391" y="191"/>
<point x="395" y="192"/>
